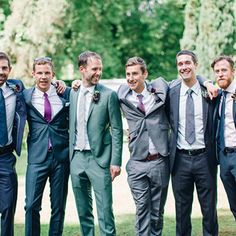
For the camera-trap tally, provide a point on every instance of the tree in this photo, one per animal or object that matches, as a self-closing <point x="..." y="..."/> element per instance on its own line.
<point x="210" y="30"/>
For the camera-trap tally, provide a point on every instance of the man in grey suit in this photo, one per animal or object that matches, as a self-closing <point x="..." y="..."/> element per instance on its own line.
<point x="96" y="136"/>
<point x="192" y="148"/>
<point x="48" y="149"/>
<point x="143" y="106"/>
<point x="12" y="122"/>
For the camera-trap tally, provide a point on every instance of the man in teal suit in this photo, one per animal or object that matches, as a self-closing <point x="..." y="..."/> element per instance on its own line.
<point x="95" y="145"/>
<point x="48" y="149"/>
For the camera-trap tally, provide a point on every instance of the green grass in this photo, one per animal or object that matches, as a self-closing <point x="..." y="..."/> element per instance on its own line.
<point x="125" y="226"/>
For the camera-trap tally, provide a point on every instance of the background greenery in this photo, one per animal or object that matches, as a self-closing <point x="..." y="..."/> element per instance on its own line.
<point x="152" y="29"/>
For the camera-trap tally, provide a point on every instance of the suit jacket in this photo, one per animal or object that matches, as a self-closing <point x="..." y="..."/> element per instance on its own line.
<point x="104" y="126"/>
<point x="20" y="114"/>
<point x="154" y="124"/>
<point x="40" y="131"/>
<point x="173" y="115"/>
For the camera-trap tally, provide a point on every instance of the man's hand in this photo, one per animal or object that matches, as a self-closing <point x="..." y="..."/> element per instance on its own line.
<point x="115" y="171"/>
<point x="75" y="84"/>
<point x="60" y="86"/>
<point x="211" y="89"/>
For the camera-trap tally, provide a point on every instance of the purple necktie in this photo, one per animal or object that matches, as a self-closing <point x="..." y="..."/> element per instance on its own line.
<point x="47" y="108"/>
<point x="141" y="105"/>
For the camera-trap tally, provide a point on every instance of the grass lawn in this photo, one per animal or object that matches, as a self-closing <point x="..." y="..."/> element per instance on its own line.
<point x="125" y="226"/>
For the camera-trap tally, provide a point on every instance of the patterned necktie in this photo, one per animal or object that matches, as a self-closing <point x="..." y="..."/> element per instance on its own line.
<point x="3" y="121"/>
<point x="47" y="108"/>
<point x="189" y="119"/>
<point x="81" y="121"/>
<point x="141" y="105"/>
<point x="221" y="138"/>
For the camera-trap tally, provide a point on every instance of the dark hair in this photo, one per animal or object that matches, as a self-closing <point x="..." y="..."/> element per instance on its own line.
<point x="43" y="61"/>
<point x="221" y="58"/>
<point x="4" y="56"/>
<point x="187" y="52"/>
<point x="84" y="56"/>
<point x="136" y="61"/>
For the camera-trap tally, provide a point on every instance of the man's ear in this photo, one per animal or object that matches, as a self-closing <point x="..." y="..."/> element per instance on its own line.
<point x="145" y="74"/>
<point x="81" y="69"/>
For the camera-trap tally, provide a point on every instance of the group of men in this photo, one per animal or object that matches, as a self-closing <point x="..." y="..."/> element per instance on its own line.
<point x="175" y="129"/>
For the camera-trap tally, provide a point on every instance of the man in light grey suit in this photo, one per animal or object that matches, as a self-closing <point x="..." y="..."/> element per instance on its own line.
<point x="148" y="167"/>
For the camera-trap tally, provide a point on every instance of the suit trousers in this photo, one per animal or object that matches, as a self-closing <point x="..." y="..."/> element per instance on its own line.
<point x="148" y="181"/>
<point x="8" y="193"/>
<point x="228" y="177"/>
<point x="85" y="175"/>
<point x="189" y="171"/>
<point x="36" y="178"/>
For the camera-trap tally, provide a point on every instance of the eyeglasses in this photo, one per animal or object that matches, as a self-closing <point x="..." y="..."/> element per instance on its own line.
<point x="47" y="59"/>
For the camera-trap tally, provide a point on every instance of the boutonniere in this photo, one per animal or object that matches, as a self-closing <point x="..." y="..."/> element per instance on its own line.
<point x="205" y="94"/>
<point x="96" y="96"/>
<point x="153" y="92"/>
<point x="234" y="96"/>
<point x="14" y="87"/>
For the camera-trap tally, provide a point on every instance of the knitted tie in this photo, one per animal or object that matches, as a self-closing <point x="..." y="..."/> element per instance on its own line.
<point x="81" y="121"/>
<point x="221" y="138"/>
<point x="189" y="118"/>
<point x="141" y="105"/>
<point x="3" y="121"/>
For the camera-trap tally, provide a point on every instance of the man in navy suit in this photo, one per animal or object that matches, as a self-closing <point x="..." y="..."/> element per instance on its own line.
<point x="12" y="120"/>
<point x="192" y="148"/>
<point x="225" y="117"/>
<point x="48" y="149"/>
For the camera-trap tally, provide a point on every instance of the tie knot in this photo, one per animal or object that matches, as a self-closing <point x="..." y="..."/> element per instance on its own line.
<point x="140" y="97"/>
<point x="189" y="92"/>
<point x="45" y="95"/>
<point x="224" y="93"/>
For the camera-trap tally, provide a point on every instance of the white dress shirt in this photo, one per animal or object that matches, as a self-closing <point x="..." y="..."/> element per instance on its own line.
<point x="230" y="134"/>
<point x="10" y="104"/>
<point x="88" y="99"/>
<point x="198" y="115"/>
<point x="148" y="101"/>
<point x="55" y="101"/>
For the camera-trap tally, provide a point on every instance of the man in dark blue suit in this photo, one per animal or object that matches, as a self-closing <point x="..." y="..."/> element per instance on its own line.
<point x="12" y="122"/>
<point x="48" y="149"/>
<point x="192" y="149"/>
<point x="225" y="117"/>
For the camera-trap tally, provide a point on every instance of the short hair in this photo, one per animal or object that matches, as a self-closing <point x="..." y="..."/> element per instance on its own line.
<point x="229" y="59"/>
<point x="188" y="52"/>
<point x="133" y="61"/>
<point x="4" y="56"/>
<point x="84" y="56"/>
<point x="43" y="61"/>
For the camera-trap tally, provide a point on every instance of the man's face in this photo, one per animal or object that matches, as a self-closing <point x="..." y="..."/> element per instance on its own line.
<point x="4" y="71"/>
<point x="224" y="73"/>
<point x="43" y="76"/>
<point x="135" y="78"/>
<point x="92" y="72"/>
<point x="186" y="67"/>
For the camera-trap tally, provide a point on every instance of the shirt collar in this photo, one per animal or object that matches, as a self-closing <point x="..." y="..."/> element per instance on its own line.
<point x="4" y="88"/>
<point x="184" y="88"/>
<point x="232" y="87"/>
<point x="89" y="89"/>
<point x="145" y="92"/>
<point x="50" y="91"/>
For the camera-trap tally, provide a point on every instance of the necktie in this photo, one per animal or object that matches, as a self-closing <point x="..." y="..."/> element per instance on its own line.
<point x="189" y="119"/>
<point x="141" y="105"/>
<point x="81" y="121"/>
<point x="47" y="108"/>
<point x="221" y="139"/>
<point x="3" y="121"/>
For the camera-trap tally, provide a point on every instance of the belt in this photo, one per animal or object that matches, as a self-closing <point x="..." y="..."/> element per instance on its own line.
<point x="229" y="149"/>
<point x="193" y="152"/>
<point x="152" y="157"/>
<point x="7" y="149"/>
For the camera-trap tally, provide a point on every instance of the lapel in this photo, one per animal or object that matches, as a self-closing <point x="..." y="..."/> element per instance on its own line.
<point x="205" y="106"/>
<point x="92" y="103"/>
<point x="28" y="98"/>
<point x="234" y="110"/>
<point x="174" y="98"/>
